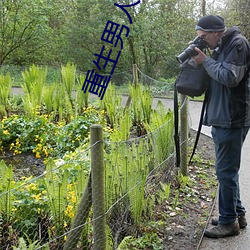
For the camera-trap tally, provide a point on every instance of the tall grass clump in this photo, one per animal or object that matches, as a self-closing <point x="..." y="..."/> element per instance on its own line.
<point x="113" y="109"/>
<point x="161" y="130"/>
<point x="5" y="90"/>
<point x="68" y="74"/>
<point x="82" y="99"/>
<point x="141" y="105"/>
<point x="33" y="85"/>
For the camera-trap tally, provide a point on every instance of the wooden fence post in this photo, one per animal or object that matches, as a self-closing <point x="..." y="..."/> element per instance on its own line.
<point x="135" y="74"/>
<point x="80" y="218"/>
<point x="98" y="194"/>
<point x="135" y="81"/>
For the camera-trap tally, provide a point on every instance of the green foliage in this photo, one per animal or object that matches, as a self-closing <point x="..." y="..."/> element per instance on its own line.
<point x="68" y="73"/>
<point x="161" y="126"/>
<point x="147" y="241"/>
<point x="29" y="245"/>
<point x="5" y="89"/>
<point x="30" y="206"/>
<point x="126" y="172"/>
<point x="43" y="32"/>
<point x="114" y="109"/>
<point x="141" y="104"/>
<point x="164" y="192"/>
<point x="43" y="137"/>
<point x="82" y="99"/>
<point x="33" y="85"/>
<point x="6" y="184"/>
<point x="48" y="98"/>
<point x="57" y="188"/>
<point x="55" y="196"/>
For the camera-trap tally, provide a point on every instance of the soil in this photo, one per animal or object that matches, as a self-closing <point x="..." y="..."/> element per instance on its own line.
<point x="186" y="223"/>
<point x="25" y="164"/>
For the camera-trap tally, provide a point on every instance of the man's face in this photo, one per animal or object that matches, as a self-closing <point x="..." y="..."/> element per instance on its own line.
<point x="211" y="38"/>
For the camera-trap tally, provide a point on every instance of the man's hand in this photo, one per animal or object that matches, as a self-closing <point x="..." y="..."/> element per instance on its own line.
<point x="200" y="58"/>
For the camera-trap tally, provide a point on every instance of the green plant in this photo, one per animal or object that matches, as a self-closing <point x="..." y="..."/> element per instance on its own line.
<point x="161" y="128"/>
<point x="5" y="89"/>
<point x="62" y="104"/>
<point x="82" y="99"/>
<point x="30" y="208"/>
<point x="23" y="246"/>
<point x="164" y="191"/>
<point x="114" y="109"/>
<point x="184" y="181"/>
<point x="56" y="187"/>
<point x="48" y="98"/>
<point x="68" y="74"/>
<point x="126" y="173"/>
<point x="141" y="104"/>
<point x="147" y="241"/>
<point x="6" y="196"/>
<point x="176" y="199"/>
<point x="33" y="85"/>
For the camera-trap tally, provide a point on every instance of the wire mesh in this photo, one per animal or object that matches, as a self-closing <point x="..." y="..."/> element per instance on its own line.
<point x="43" y="211"/>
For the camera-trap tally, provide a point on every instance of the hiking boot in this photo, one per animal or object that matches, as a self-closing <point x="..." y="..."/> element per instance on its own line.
<point x="241" y="219"/>
<point x="221" y="231"/>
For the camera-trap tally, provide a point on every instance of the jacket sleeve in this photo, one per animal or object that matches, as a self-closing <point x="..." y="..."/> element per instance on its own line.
<point x="234" y="66"/>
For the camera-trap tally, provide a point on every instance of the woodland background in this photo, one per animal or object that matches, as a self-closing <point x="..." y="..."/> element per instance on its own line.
<point x="55" y="32"/>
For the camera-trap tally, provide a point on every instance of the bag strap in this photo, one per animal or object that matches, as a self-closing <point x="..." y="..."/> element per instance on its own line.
<point x="199" y="127"/>
<point x="176" y="126"/>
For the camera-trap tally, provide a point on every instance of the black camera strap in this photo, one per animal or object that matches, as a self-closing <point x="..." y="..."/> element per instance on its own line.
<point x="199" y="127"/>
<point x="176" y="125"/>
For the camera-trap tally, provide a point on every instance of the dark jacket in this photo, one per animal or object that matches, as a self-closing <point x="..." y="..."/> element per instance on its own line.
<point x="229" y="90"/>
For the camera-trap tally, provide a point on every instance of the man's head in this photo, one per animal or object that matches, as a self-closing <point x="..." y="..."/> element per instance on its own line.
<point x="211" y="29"/>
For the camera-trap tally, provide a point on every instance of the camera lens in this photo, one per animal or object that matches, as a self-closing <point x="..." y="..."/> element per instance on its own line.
<point x="187" y="53"/>
<point x="190" y="51"/>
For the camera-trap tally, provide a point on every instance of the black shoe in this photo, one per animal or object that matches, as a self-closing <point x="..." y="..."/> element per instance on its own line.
<point x="241" y="219"/>
<point x="221" y="231"/>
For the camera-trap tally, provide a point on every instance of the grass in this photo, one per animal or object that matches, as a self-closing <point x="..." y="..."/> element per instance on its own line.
<point x="53" y="74"/>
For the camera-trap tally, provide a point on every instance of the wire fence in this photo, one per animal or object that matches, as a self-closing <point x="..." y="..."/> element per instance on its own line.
<point x="55" y="210"/>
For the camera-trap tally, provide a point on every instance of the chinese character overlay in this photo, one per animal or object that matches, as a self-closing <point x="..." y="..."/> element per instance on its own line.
<point x="107" y="59"/>
<point x="98" y="83"/>
<point x="110" y="31"/>
<point x="129" y="5"/>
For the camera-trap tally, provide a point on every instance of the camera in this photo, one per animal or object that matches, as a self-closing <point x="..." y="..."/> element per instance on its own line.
<point x="190" y="51"/>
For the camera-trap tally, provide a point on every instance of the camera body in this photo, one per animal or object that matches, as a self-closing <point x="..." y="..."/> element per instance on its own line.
<point x="190" y="51"/>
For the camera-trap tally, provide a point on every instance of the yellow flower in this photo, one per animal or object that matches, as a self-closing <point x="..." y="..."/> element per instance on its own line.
<point x="69" y="211"/>
<point x="45" y="151"/>
<point x="38" y="155"/>
<point x="16" y="152"/>
<point x="37" y="196"/>
<point x="14" y="209"/>
<point x="31" y="187"/>
<point x="73" y="199"/>
<point x="12" y="145"/>
<point x="6" y="132"/>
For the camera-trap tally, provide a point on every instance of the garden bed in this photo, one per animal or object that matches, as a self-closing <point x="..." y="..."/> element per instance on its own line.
<point x="185" y="226"/>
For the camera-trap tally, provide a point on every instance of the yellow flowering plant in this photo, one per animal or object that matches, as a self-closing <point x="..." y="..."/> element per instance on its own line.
<point x="45" y="138"/>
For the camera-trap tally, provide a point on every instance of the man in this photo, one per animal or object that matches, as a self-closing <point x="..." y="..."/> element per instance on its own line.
<point x="228" y="112"/>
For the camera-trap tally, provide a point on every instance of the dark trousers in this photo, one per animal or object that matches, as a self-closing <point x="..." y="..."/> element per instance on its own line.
<point x="228" y="145"/>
